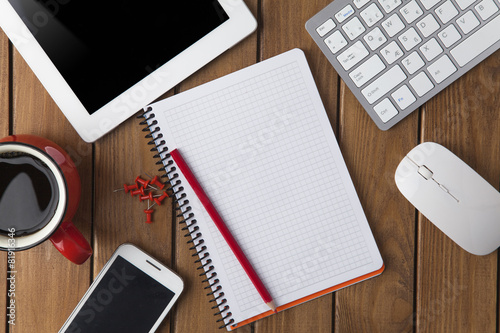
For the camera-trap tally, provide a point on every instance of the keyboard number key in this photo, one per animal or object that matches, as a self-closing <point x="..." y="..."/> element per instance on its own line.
<point x="391" y="52"/>
<point x="421" y="84"/>
<point x="360" y="3"/>
<point x="353" y="28"/>
<point x="393" y="25"/>
<point x="449" y="36"/>
<point x="375" y="39"/>
<point x="468" y="22"/>
<point x="389" y="5"/>
<point x="404" y="97"/>
<point x="446" y="12"/>
<point x="411" y="11"/>
<point x="409" y="39"/>
<point x="442" y="69"/>
<point x="413" y="62"/>
<point x="486" y="8"/>
<point x="428" y="25"/>
<point x="371" y="15"/>
<point x="385" y="110"/>
<point x="344" y="13"/>
<point x="431" y="49"/>
<point x="354" y="54"/>
<point x="325" y="28"/>
<point x="336" y="42"/>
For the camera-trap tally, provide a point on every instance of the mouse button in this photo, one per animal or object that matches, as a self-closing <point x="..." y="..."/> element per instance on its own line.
<point x="405" y="169"/>
<point x="407" y="178"/>
<point x="474" y="190"/>
<point x="424" y="152"/>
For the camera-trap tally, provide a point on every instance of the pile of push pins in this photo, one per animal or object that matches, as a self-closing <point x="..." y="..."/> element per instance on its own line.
<point x="140" y="187"/>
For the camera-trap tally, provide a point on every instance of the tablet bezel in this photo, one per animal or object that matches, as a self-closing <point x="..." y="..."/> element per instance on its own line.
<point x="91" y="127"/>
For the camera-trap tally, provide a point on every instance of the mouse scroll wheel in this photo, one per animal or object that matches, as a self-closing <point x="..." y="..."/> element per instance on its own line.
<point x="425" y="172"/>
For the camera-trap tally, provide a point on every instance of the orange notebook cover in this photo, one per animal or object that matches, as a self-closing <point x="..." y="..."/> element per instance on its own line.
<point x="261" y="146"/>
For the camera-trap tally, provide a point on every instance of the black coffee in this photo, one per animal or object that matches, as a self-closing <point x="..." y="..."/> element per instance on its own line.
<point x="28" y="194"/>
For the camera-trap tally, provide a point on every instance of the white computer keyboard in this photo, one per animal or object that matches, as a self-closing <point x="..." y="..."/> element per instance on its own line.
<point x="395" y="55"/>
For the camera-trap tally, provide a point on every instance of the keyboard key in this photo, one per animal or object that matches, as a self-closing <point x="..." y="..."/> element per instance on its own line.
<point x="428" y="25"/>
<point x="344" y="13"/>
<point x="383" y="84"/>
<point x="354" y="54"/>
<point x="421" y="84"/>
<point x="389" y="5"/>
<point x="360" y="3"/>
<point x="391" y="52"/>
<point x="375" y="39"/>
<point x="336" y="42"/>
<point x="367" y="71"/>
<point x="325" y="28"/>
<point x="431" y="49"/>
<point x="486" y="8"/>
<point x="409" y="39"/>
<point x="449" y="36"/>
<point x="446" y="12"/>
<point x="442" y="69"/>
<point x="468" y="22"/>
<point x="413" y="62"/>
<point x="465" y="3"/>
<point x="371" y="15"/>
<point x="411" y="11"/>
<point x="393" y="25"/>
<point x="404" y="97"/>
<point x="353" y="28"/>
<point x="385" y="110"/>
<point x="477" y="43"/>
<point x="428" y="4"/>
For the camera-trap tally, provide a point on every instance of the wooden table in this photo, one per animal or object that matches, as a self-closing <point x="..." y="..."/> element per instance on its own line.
<point x="429" y="285"/>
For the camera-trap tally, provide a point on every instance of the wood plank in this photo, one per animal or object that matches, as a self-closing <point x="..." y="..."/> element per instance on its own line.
<point x="384" y="303"/>
<point x="4" y="131"/>
<point x="194" y="313"/>
<point x="49" y="285"/>
<point x="455" y="288"/>
<point x="283" y="30"/>
<point x="120" y="157"/>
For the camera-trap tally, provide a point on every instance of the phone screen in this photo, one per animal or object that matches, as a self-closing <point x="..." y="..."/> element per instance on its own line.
<point x="125" y="300"/>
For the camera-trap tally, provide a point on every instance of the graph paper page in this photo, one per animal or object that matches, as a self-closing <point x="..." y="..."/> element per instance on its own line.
<point x="261" y="145"/>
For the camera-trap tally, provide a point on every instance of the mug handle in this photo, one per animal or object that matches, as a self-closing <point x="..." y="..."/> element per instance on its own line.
<point x="71" y="243"/>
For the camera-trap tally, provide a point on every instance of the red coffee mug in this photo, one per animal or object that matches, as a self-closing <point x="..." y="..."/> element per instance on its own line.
<point x="61" y="231"/>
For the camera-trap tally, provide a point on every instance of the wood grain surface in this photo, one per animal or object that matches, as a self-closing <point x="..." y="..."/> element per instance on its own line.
<point x="429" y="284"/>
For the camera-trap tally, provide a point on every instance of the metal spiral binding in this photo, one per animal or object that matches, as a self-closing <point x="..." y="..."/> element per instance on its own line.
<point x="179" y="196"/>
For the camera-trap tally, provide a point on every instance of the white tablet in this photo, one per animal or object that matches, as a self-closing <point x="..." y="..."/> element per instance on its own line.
<point x="103" y="61"/>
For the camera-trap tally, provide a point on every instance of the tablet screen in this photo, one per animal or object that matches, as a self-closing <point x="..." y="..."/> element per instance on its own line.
<point x="102" y="48"/>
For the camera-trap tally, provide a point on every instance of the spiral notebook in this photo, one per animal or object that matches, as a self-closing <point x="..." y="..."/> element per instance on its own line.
<point x="261" y="145"/>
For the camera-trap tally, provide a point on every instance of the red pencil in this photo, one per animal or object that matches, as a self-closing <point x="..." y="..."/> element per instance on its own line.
<point x="202" y="196"/>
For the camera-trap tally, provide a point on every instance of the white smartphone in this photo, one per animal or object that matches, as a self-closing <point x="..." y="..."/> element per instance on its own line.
<point x="132" y="293"/>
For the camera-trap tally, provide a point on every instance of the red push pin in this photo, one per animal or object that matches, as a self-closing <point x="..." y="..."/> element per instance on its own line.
<point x="147" y="197"/>
<point x="156" y="181"/>
<point x="137" y="192"/>
<point x="149" y="214"/>
<point x="161" y="198"/>
<point x="128" y="188"/>
<point x="144" y="183"/>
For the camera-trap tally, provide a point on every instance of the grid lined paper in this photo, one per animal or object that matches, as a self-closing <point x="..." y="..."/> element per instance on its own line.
<point x="259" y="147"/>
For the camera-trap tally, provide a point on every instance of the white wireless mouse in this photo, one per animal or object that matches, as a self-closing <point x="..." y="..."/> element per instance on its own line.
<point x="452" y="196"/>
